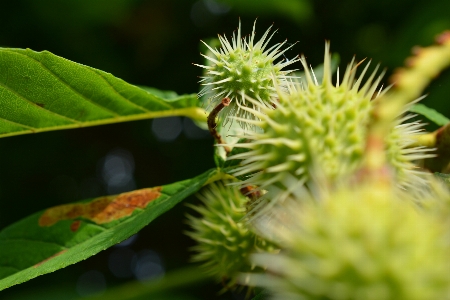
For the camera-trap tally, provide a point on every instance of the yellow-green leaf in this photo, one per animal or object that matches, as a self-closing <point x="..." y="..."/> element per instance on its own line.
<point x="430" y="113"/>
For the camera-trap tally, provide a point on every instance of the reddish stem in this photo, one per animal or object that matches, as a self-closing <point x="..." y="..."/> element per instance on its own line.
<point x="212" y="122"/>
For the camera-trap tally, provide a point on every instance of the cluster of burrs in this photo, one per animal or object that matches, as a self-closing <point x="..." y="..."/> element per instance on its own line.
<point x="327" y="176"/>
<point x="322" y="126"/>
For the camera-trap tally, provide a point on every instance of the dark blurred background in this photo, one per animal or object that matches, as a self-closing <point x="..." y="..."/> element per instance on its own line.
<point x="154" y="43"/>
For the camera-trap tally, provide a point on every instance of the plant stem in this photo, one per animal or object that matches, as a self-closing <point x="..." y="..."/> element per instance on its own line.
<point x="212" y="122"/>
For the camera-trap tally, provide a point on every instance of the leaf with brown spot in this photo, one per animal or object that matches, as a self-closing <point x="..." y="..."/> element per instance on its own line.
<point x="51" y="257"/>
<point x="75" y="225"/>
<point x="66" y="234"/>
<point x="101" y="210"/>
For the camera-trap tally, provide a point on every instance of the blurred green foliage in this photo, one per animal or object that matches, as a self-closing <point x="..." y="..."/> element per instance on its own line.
<point x="153" y="43"/>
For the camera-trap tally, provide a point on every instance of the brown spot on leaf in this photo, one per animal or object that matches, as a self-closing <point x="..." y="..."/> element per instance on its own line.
<point x="40" y="104"/>
<point x="49" y="258"/>
<point x="75" y="225"/>
<point x="101" y="210"/>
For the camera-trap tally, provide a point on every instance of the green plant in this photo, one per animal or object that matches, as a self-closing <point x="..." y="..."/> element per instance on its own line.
<point x="355" y="242"/>
<point x="324" y="126"/>
<point x="298" y="141"/>
<point x="244" y="69"/>
<point x="225" y="242"/>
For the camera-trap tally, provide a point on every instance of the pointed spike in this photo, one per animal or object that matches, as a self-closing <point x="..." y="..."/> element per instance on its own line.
<point x="244" y="155"/>
<point x="225" y="44"/>
<point x="259" y="44"/>
<point x="361" y="77"/>
<point x="286" y="49"/>
<point x="353" y="74"/>
<point x="271" y="181"/>
<point x="315" y="78"/>
<point x="270" y="50"/>
<point x="215" y="52"/>
<point x="367" y="86"/>
<point x="216" y="73"/>
<point x="337" y="77"/>
<point x="202" y="66"/>
<point x="220" y="81"/>
<point x="275" y="53"/>
<point x="247" y="169"/>
<point x="327" y="65"/>
<point x="346" y="79"/>
<point x="309" y="80"/>
<point x="252" y="36"/>
<point x="252" y="111"/>
<point x="269" y="39"/>
<point x="249" y="121"/>
<point x="373" y="88"/>
<point x="239" y="35"/>
<point x="285" y="166"/>
<point x="257" y="157"/>
<point x="287" y="63"/>
<point x="209" y="58"/>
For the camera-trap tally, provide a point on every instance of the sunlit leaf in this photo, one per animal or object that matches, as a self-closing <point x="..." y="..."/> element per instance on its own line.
<point x="40" y="91"/>
<point x="430" y="114"/>
<point x="261" y="296"/>
<point x="66" y="234"/>
<point x="445" y="178"/>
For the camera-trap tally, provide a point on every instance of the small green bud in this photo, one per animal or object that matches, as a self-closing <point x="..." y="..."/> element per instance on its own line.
<point x="242" y="69"/>
<point x="321" y="127"/>
<point x="224" y="240"/>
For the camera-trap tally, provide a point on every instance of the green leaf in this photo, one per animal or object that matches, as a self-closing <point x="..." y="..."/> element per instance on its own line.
<point x="230" y="164"/>
<point x="66" y="234"/>
<point x="445" y="178"/>
<point x="40" y="91"/>
<point x="430" y="114"/>
<point x="261" y="296"/>
<point x="167" y="95"/>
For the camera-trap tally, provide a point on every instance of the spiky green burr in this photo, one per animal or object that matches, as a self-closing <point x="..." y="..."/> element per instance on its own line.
<point x="361" y="242"/>
<point x="244" y="68"/>
<point x="320" y="126"/>
<point x="224" y="240"/>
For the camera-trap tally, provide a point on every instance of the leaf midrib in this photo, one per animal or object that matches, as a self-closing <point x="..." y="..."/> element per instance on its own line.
<point x="82" y="95"/>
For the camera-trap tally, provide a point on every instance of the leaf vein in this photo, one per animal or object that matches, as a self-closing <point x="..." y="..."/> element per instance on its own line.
<point x="39" y="107"/>
<point x="123" y="97"/>
<point x="6" y="87"/>
<point x="69" y="86"/>
<point x="159" y="101"/>
<point x="20" y="124"/>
